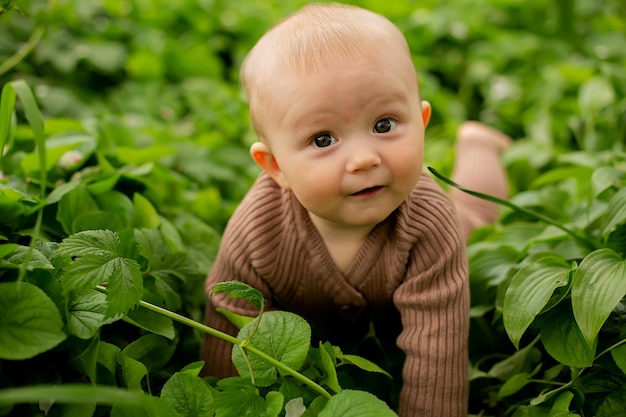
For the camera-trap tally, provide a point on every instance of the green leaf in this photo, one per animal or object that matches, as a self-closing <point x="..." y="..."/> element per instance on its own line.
<point x="188" y="395"/>
<point x="563" y="340"/>
<point x="238" y="398"/>
<point x="241" y="290"/>
<point x="23" y="254"/>
<point x="614" y="404"/>
<point x="282" y="335"/>
<point x="7" y="104"/>
<point x="145" y="213"/>
<point x="274" y="401"/>
<point x="595" y="94"/>
<point x="35" y="120"/>
<point x="30" y="322"/>
<point x="152" y="350"/>
<point x="87" y="394"/>
<point x="530" y="290"/>
<point x="619" y="356"/>
<point x="362" y="363"/>
<point x="513" y="384"/>
<point x="237" y="319"/>
<point x="7" y="249"/>
<point x="86" y="313"/>
<point x="96" y="260"/>
<point x="522" y="361"/>
<point x="615" y="214"/>
<point x="351" y="403"/>
<point x="598" y="285"/>
<point x="152" y="322"/>
<point x="329" y="366"/>
<point x="133" y="372"/>
<point x="72" y="204"/>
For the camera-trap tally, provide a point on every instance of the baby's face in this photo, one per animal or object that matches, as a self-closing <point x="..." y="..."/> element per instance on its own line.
<point x="349" y="138"/>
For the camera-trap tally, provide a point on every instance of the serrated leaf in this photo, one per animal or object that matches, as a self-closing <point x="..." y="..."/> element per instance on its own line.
<point x="241" y="290"/>
<point x="351" y="403"/>
<point x="96" y="260"/>
<point x="188" y="395"/>
<point x="23" y="254"/>
<point x="282" y="335"/>
<point x="238" y="398"/>
<point x="103" y="243"/>
<point x="86" y="313"/>
<point x="598" y="285"/>
<point x="530" y="290"/>
<point x="30" y="322"/>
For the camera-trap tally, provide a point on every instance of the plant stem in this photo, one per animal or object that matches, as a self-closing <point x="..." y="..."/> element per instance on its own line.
<point x="21" y="53"/>
<point x="587" y="242"/>
<point x="224" y="336"/>
<point x="607" y="350"/>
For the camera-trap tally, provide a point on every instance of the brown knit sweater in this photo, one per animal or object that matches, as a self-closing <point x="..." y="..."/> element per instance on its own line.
<point x="414" y="262"/>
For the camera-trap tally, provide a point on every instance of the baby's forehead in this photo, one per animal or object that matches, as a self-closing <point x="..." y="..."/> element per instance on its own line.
<point x="317" y="35"/>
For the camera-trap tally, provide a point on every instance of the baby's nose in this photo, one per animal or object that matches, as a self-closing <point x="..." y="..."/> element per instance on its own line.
<point x="362" y="158"/>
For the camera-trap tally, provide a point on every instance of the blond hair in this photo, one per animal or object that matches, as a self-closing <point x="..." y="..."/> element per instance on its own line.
<point x="309" y="40"/>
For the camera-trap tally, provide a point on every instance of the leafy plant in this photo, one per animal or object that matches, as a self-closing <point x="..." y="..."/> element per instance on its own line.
<point x="57" y="298"/>
<point x="556" y="286"/>
<point x="129" y="146"/>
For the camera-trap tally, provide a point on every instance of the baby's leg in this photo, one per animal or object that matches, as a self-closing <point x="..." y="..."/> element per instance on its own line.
<point x="477" y="166"/>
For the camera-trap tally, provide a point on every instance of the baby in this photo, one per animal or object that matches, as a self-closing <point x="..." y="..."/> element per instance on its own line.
<point x="344" y="227"/>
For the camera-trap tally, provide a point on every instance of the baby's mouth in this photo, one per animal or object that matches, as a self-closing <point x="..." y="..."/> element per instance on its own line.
<point x="367" y="191"/>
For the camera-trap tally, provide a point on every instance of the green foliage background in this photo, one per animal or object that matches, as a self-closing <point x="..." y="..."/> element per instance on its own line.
<point x="143" y="111"/>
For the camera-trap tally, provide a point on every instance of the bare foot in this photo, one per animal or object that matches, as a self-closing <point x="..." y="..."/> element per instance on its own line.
<point x="473" y="133"/>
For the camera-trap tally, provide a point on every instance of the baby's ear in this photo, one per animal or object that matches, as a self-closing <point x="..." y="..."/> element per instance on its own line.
<point x="426" y="111"/>
<point x="264" y="158"/>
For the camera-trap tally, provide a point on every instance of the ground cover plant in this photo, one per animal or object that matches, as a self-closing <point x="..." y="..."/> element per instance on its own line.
<point x="124" y="151"/>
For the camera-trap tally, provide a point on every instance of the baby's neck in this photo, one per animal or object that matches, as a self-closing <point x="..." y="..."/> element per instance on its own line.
<point x="343" y="243"/>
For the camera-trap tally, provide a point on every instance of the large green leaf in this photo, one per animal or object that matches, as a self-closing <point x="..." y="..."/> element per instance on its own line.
<point x="282" y="335"/>
<point x="598" y="285"/>
<point x="563" y="340"/>
<point x="96" y="260"/>
<point x="530" y="290"/>
<point x="239" y="398"/>
<point x="87" y="394"/>
<point x="30" y="322"/>
<point x="351" y="403"/>
<point x="189" y="395"/>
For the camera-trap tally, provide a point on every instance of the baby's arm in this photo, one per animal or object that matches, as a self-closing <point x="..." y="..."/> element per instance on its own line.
<point x="434" y="306"/>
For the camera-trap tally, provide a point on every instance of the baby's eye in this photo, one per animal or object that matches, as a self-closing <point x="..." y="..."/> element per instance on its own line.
<point x="324" y="140"/>
<point x="384" y="125"/>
